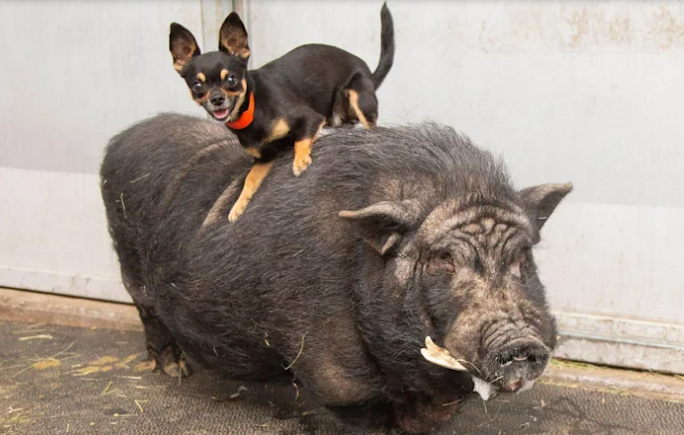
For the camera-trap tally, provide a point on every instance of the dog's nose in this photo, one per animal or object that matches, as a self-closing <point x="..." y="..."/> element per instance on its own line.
<point x="217" y="99"/>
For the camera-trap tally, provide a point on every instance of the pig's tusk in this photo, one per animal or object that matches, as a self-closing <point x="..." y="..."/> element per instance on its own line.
<point x="440" y="356"/>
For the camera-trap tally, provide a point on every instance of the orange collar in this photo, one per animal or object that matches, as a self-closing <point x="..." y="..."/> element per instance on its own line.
<point x="246" y="118"/>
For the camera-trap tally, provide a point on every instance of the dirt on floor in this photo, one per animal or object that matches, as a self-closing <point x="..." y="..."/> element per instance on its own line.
<point x="68" y="380"/>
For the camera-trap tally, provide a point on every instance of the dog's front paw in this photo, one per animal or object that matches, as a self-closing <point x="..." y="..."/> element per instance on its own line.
<point x="237" y="210"/>
<point x="300" y="164"/>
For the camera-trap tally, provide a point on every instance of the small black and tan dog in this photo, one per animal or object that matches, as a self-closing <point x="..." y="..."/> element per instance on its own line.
<point x="285" y="102"/>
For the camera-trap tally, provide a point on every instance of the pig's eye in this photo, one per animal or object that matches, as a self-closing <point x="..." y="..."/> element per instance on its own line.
<point x="441" y="263"/>
<point x="515" y="269"/>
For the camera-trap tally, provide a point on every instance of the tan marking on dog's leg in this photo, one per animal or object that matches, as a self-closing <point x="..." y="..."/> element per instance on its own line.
<point x="201" y="77"/>
<point x="302" y="156"/>
<point x="354" y="103"/>
<point x="252" y="182"/>
<point x="279" y="130"/>
<point x="302" y="152"/>
<point x="224" y="74"/>
<point x="220" y="203"/>
<point x="253" y="152"/>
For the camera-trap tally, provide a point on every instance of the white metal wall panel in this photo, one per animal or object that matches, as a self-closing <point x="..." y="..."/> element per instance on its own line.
<point x="585" y="91"/>
<point x="73" y="74"/>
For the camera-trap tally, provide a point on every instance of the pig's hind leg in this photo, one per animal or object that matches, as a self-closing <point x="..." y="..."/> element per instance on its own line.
<point x="161" y="346"/>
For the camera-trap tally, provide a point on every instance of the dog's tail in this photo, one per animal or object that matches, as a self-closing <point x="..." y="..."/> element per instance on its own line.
<point x="386" y="47"/>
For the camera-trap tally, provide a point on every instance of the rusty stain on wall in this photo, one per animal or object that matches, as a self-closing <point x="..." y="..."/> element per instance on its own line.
<point x="668" y="29"/>
<point x="574" y="26"/>
<point x="579" y="25"/>
<point x="619" y="30"/>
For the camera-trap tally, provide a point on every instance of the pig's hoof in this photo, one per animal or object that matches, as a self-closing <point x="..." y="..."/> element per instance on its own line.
<point x="171" y="362"/>
<point x="300" y="165"/>
<point x="177" y="369"/>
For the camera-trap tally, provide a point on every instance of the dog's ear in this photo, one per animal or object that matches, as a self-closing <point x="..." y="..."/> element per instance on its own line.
<point x="233" y="37"/>
<point x="182" y="45"/>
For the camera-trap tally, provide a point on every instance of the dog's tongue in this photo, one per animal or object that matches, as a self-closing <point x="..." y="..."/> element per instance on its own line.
<point x="220" y="114"/>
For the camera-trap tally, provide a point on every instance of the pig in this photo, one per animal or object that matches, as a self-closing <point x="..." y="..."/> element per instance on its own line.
<point x="392" y="280"/>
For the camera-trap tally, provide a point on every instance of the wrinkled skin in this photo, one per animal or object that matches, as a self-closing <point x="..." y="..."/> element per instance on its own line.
<point x="336" y="278"/>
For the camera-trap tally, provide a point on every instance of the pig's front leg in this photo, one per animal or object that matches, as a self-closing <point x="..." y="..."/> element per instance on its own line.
<point x="368" y="418"/>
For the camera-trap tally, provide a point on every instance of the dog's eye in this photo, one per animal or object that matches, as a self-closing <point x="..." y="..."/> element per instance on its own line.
<point x="232" y="81"/>
<point x="514" y="269"/>
<point x="197" y="87"/>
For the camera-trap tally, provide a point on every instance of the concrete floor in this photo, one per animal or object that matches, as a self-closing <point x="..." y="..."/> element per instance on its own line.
<point x="59" y="379"/>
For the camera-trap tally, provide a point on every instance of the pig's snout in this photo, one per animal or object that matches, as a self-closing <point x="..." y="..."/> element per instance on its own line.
<point x="517" y="363"/>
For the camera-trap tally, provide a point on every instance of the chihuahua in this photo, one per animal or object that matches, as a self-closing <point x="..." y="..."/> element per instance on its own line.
<point x="284" y="103"/>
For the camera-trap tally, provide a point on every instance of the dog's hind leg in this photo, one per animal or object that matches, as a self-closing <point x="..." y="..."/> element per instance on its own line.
<point x="306" y="128"/>
<point x="363" y="103"/>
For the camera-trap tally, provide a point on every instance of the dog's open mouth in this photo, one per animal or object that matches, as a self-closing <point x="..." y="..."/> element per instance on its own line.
<point x="221" y="114"/>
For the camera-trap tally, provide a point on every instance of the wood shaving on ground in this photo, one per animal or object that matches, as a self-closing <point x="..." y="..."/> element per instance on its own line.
<point x="36" y="337"/>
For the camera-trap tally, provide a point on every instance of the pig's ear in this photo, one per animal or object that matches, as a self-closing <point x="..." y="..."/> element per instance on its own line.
<point x="541" y="201"/>
<point x="384" y="223"/>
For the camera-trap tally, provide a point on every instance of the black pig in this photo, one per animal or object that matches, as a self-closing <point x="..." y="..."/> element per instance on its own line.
<point x="394" y="240"/>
